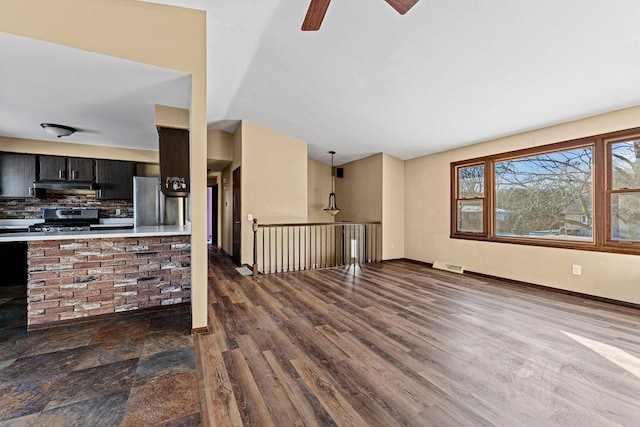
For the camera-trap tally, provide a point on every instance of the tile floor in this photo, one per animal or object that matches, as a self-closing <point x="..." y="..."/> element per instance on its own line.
<point x="136" y="370"/>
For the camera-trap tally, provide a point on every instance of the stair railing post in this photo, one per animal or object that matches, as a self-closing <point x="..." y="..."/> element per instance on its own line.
<point x="255" y="246"/>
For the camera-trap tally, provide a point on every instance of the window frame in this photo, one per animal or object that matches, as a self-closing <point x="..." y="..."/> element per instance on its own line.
<point x="456" y="199"/>
<point x="602" y="181"/>
<point x="610" y="191"/>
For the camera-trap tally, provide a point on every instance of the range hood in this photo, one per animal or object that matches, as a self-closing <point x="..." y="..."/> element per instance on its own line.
<point x="63" y="185"/>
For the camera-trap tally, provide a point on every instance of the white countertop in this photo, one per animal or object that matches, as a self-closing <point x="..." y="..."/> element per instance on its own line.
<point x="9" y="224"/>
<point x="146" y="231"/>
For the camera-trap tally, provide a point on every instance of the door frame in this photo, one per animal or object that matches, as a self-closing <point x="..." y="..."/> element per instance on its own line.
<point x="215" y="213"/>
<point x="236" y="216"/>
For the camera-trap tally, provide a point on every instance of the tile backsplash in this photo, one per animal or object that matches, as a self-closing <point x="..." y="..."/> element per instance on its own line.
<point x="32" y="208"/>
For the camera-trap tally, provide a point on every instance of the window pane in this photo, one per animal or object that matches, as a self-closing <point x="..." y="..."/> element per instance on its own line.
<point x="547" y="196"/>
<point x="471" y="182"/>
<point x="626" y="166"/>
<point x="470" y="216"/>
<point x="625" y="217"/>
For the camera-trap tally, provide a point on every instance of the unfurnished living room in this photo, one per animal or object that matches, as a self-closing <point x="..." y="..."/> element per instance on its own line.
<point x="319" y="213"/>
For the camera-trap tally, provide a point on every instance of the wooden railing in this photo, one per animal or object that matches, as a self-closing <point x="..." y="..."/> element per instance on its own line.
<point x="292" y="247"/>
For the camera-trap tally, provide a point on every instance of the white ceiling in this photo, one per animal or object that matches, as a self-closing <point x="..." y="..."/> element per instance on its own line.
<point x="111" y="101"/>
<point x="448" y="73"/>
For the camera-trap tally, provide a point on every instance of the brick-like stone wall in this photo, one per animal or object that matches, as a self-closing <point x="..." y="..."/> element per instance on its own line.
<point x="32" y="208"/>
<point x="70" y="279"/>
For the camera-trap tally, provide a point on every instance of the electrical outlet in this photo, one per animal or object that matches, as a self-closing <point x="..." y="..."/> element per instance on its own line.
<point x="577" y="270"/>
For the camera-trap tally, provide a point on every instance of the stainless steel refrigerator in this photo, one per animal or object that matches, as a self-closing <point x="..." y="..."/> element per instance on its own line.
<point x="152" y="207"/>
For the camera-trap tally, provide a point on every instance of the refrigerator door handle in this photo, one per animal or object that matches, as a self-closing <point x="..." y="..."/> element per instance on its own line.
<point x="160" y="208"/>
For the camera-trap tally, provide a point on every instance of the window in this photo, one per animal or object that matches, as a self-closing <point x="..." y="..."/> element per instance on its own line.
<point x="582" y="194"/>
<point x="545" y="196"/>
<point x="625" y="190"/>
<point x="470" y="199"/>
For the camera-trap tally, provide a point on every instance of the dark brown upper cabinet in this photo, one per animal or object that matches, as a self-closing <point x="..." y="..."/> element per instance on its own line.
<point x="114" y="179"/>
<point x="52" y="168"/>
<point x="56" y="168"/>
<point x="17" y="173"/>
<point x="174" y="161"/>
<point x="80" y="169"/>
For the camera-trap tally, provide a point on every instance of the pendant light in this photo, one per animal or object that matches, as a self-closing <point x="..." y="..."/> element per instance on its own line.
<point x="332" y="209"/>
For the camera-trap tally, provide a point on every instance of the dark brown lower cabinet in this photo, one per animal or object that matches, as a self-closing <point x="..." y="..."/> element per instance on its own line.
<point x="13" y="262"/>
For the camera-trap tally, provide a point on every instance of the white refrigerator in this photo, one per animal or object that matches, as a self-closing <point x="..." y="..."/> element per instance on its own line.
<point x="152" y="207"/>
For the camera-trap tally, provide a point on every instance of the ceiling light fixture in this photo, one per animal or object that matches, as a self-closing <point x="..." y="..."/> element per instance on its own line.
<point x="58" y="130"/>
<point x="332" y="209"/>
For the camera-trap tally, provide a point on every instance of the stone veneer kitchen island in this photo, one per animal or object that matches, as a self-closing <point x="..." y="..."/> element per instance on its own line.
<point x="78" y="275"/>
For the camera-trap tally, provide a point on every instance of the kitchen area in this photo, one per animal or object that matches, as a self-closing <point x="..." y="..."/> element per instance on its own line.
<point x="93" y="237"/>
<point x="97" y="310"/>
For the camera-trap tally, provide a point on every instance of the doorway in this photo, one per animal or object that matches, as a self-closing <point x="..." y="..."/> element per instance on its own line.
<point x="214" y="215"/>
<point x="237" y="225"/>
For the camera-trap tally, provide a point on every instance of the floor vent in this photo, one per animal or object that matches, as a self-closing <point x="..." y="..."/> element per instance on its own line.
<point x="245" y="271"/>
<point x="448" y="267"/>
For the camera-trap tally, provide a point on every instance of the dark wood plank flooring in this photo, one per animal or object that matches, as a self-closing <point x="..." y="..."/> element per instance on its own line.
<point x="401" y="344"/>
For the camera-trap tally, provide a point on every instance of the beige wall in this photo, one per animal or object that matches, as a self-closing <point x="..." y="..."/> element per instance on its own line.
<point x="172" y="117"/>
<point x="318" y="189"/>
<point x="427" y="226"/>
<point x="148" y="169"/>
<point x="373" y="190"/>
<point x="33" y="146"/>
<point x="359" y="193"/>
<point x="392" y="207"/>
<point x="274" y="181"/>
<point x="219" y="145"/>
<point x="169" y="37"/>
<point x="226" y="193"/>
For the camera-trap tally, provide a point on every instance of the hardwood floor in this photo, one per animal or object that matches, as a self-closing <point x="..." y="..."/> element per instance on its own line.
<point x="401" y="344"/>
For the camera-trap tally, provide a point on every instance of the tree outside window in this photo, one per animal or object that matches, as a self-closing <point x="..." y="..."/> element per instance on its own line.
<point x="547" y="195"/>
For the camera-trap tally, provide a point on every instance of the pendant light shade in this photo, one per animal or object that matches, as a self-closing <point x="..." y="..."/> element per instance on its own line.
<point x="332" y="209"/>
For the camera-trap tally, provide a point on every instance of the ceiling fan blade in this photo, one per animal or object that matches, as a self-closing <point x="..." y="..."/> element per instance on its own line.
<point x="402" y="6"/>
<point x="315" y="15"/>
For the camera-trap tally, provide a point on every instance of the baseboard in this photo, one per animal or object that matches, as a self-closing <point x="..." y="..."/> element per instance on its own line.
<point x="534" y="285"/>
<point x="415" y="261"/>
<point x="200" y="331"/>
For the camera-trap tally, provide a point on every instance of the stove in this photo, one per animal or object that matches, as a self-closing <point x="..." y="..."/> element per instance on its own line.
<point x="63" y="220"/>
